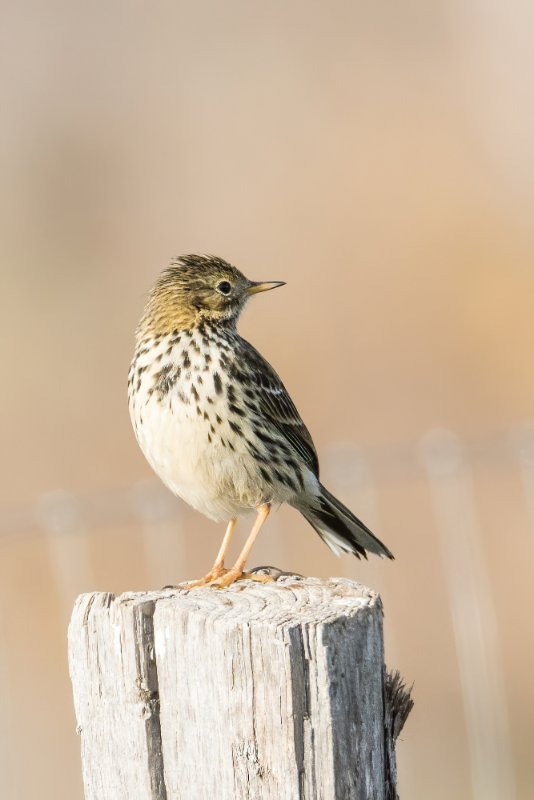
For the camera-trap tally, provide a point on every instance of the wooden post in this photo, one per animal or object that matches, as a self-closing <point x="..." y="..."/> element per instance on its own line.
<point x="257" y="691"/>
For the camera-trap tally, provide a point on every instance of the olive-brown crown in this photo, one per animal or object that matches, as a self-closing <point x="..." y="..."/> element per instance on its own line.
<point x="195" y="288"/>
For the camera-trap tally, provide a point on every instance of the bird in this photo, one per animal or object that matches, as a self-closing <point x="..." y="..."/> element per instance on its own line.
<point x="215" y="421"/>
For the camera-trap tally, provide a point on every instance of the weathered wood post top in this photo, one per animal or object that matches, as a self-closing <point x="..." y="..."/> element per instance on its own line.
<point x="256" y="691"/>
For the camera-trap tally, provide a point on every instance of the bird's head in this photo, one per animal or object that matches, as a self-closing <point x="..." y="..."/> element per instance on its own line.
<point x="195" y="288"/>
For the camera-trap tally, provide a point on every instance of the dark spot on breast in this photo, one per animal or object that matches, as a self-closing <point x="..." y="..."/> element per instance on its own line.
<point x="234" y="426"/>
<point x="199" y="380"/>
<point x="186" y="361"/>
<point x="219" y="420"/>
<point x="284" y="448"/>
<point x="264" y="437"/>
<point x="256" y="453"/>
<point x="165" y="379"/>
<point x="209" y="437"/>
<point x="217" y="383"/>
<point x="194" y="392"/>
<point x="265" y="475"/>
<point x="244" y="378"/>
<point x="236" y="410"/>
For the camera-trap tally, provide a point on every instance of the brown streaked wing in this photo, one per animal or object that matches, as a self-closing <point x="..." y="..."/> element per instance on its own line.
<point x="276" y="405"/>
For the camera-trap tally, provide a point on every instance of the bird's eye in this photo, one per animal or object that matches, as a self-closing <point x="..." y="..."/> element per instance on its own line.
<point x="224" y="287"/>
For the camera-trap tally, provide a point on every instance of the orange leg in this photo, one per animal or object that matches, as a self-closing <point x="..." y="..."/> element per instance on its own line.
<point x="237" y="571"/>
<point x="218" y="569"/>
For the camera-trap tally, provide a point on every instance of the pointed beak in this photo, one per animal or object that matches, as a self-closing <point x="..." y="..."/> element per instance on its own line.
<point x="263" y="286"/>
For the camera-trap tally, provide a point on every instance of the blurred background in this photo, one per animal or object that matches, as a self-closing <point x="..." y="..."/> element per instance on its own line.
<point x="377" y="157"/>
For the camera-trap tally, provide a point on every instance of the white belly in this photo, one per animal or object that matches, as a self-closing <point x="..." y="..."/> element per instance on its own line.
<point x="191" y="451"/>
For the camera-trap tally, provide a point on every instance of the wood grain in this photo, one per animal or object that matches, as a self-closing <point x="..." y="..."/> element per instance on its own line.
<point x="257" y="691"/>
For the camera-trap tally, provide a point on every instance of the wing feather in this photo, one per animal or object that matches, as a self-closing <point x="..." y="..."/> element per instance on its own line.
<point x="277" y="407"/>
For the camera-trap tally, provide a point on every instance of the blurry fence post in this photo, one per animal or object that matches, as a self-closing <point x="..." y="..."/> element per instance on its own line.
<point x="351" y="476"/>
<point x="473" y="616"/>
<point x="271" y="690"/>
<point x="160" y="515"/>
<point x="350" y="473"/>
<point x="522" y="440"/>
<point x="10" y="712"/>
<point x="60" y="516"/>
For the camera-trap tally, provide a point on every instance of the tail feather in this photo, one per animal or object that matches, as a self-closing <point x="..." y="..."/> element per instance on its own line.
<point x="339" y="528"/>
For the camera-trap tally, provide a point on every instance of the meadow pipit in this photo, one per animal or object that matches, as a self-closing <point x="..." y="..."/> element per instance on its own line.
<point x="214" y="419"/>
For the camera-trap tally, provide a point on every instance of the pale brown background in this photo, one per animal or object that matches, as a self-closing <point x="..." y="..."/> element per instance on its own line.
<point x="377" y="157"/>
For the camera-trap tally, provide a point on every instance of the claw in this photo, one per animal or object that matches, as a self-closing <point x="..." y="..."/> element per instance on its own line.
<point x="233" y="575"/>
<point x="214" y="574"/>
<point x="230" y="576"/>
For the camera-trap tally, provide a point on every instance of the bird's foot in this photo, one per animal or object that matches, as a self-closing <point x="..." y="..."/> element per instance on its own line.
<point x="219" y="577"/>
<point x="235" y="574"/>
<point x="214" y="574"/>
<point x="258" y="577"/>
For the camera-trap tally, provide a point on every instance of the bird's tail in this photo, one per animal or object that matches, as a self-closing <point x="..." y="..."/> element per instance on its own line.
<point x="339" y="528"/>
